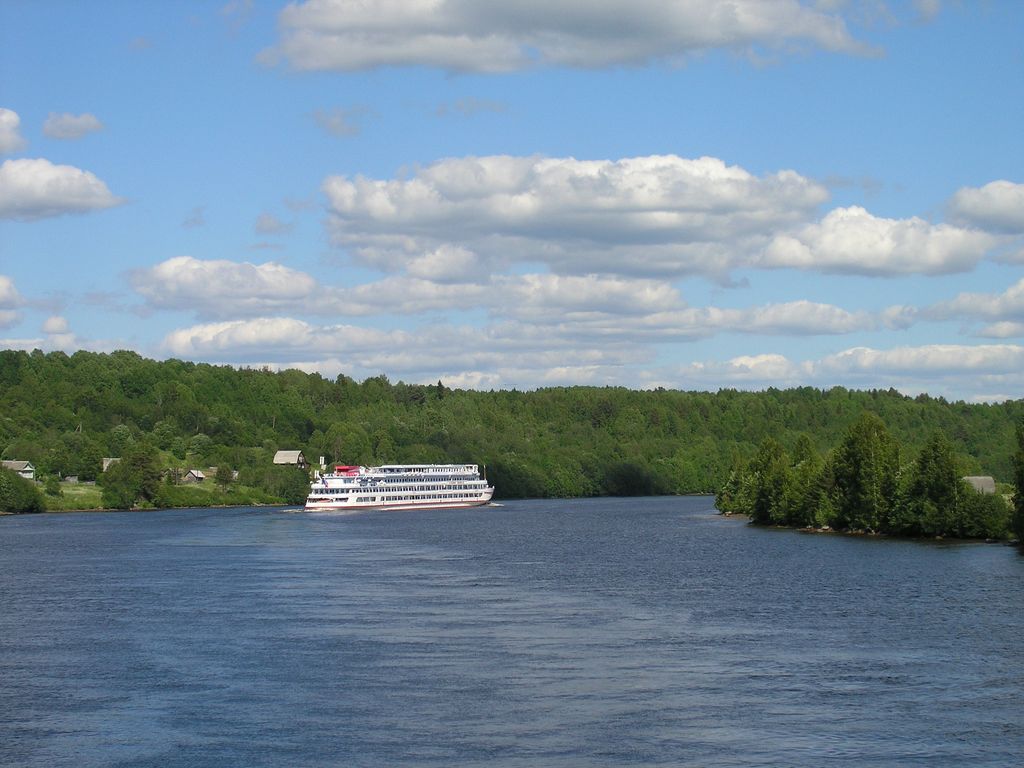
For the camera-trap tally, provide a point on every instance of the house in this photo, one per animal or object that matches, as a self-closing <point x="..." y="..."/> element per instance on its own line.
<point x="23" y="468"/>
<point x="982" y="484"/>
<point x="193" y="476"/>
<point x="108" y="463"/>
<point x="294" y="458"/>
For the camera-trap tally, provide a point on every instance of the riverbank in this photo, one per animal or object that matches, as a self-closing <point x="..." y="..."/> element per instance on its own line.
<point x="829" y="531"/>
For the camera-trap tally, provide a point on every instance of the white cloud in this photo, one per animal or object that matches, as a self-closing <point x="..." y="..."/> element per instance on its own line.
<point x="240" y="337"/>
<point x="57" y="335"/>
<point x="68" y="126"/>
<point x="404" y="295"/>
<point x="10" y="137"/>
<point x="745" y="371"/>
<point x="37" y="189"/>
<point x="537" y="297"/>
<point x="1004" y="329"/>
<point x="937" y="369"/>
<point x="424" y="354"/>
<point x="219" y="287"/>
<point x="10" y="301"/>
<point x="658" y="215"/>
<point x="1006" y="309"/>
<point x="447" y="264"/>
<point x="930" y="360"/>
<point x="466" y="35"/>
<point x="998" y="206"/>
<point x="650" y="311"/>
<point x="9" y="296"/>
<point x="55" y="324"/>
<point x="1008" y="304"/>
<point x="852" y="241"/>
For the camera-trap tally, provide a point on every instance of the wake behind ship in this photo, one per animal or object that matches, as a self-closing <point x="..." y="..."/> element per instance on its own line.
<point x="399" y="486"/>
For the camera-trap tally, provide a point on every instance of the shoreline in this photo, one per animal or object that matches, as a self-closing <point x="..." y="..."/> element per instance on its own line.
<point x="827" y="531"/>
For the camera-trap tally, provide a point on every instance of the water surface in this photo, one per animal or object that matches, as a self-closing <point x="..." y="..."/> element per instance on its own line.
<point x="636" y="632"/>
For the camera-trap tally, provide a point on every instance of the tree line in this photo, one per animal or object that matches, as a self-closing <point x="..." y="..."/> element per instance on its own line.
<point x="863" y="485"/>
<point x="64" y="413"/>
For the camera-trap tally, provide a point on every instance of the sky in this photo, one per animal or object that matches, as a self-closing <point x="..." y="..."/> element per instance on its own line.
<point x="692" y="195"/>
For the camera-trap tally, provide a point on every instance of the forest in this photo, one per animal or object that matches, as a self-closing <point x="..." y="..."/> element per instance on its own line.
<point x="64" y="413"/>
<point x="865" y="485"/>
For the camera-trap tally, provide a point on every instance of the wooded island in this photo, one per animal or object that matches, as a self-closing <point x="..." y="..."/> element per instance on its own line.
<point x="65" y="413"/>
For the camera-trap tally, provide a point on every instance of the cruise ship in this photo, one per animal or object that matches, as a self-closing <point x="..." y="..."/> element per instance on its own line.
<point x="399" y="486"/>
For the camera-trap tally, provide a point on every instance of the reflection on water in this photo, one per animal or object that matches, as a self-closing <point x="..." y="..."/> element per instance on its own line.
<point x="597" y="632"/>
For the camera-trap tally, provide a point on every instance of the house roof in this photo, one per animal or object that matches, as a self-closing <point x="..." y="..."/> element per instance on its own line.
<point x="196" y="473"/>
<point x="288" y="457"/>
<point x="17" y="466"/>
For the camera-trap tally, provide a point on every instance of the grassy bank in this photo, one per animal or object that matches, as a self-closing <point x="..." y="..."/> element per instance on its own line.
<point x="81" y="496"/>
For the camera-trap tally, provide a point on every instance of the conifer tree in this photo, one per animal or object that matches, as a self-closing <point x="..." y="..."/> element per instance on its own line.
<point x="866" y="474"/>
<point x="1018" y="482"/>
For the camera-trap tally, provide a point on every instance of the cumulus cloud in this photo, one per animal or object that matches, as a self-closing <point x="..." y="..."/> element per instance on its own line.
<point x="10" y="137"/>
<point x="1004" y="329"/>
<point x="468" y="36"/>
<point x="9" y="296"/>
<point x="852" y="241"/>
<point x="998" y="206"/>
<point x="658" y="215"/>
<point x="10" y="300"/>
<point x="37" y="189"/>
<point x="55" y="324"/>
<point x="744" y="371"/>
<point x="594" y="306"/>
<point x="68" y="126"/>
<point x="1004" y="311"/>
<point x="980" y="370"/>
<point x="219" y="287"/>
<point x="496" y="352"/>
<point x="223" y="288"/>
<point x="927" y="360"/>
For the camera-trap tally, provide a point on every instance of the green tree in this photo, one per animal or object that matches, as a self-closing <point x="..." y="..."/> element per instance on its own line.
<point x="52" y="487"/>
<point x="865" y="473"/>
<point x="225" y="476"/>
<point x="18" y="494"/>
<point x="986" y="516"/>
<point x="803" y="499"/>
<point x="933" y="502"/>
<point x="1018" y="484"/>
<point x="770" y="476"/>
<point x="134" y="479"/>
<point x="288" y="483"/>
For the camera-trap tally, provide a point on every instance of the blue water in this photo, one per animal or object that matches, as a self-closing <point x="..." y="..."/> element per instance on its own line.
<point x="635" y="632"/>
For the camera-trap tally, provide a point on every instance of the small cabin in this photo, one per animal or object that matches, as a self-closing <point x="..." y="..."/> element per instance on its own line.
<point x="193" y="476"/>
<point x="293" y="458"/>
<point x="981" y="483"/>
<point x="23" y="468"/>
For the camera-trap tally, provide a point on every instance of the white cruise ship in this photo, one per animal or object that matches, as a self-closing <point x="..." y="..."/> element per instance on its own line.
<point x="399" y="486"/>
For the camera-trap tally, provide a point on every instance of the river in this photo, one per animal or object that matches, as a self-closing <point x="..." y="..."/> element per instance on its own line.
<point x="598" y="632"/>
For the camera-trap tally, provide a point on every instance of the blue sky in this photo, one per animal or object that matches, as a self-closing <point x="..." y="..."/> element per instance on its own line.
<point x="693" y="195"/>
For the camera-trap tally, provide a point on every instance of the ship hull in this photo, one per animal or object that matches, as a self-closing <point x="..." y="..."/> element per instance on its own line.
<point x="399" y="488"/>
<point x="404" y="507"/>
